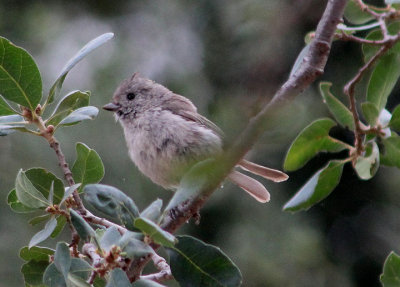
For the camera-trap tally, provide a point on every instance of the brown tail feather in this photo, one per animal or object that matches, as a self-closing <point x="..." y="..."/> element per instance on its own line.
<point x="250" y="185"/>
<point x="268" y="173"/>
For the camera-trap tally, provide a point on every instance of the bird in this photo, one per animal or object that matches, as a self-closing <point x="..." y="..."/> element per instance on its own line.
<point x="166" y="136"/>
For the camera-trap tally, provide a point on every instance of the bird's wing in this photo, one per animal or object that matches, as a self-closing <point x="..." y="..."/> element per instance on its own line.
<point x="184" y="107"/>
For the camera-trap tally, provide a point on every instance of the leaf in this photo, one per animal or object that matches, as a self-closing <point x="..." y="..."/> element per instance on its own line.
<point x="155" y="232"/>
<point x="111" y="237"/>
<point x="146" y="283"/>
<point x="42" y="180"/>
<point x="89" y="47"/>
<point x="81" y="114"/>
<point x="5" y="108"/>
<point x="368" y="164"/>
<point x="79" y="268"/>
<point x="75" y="281"/>
<point x="61" y="221"/>
<point x="62" y="259"/>
<point x="53" y="278"/>
<point x="67" y="105"/>
<point x="20" y="77"/>
<point x="195" y="263"/>
<point x="390" y="155"/>
<point x="153" y="211"/>
<point x="82" y="227"/>
<point x="319" y="186"/>
<point x="355" y="15"/>
<point x="341" y="113"/>
<point x="133" y="247"/>
<point x="389" y="2"/>
<point x="27" y="193"/>
<point x="10" y="124"/>
<point x="112" y="202"/>
<point x="33" y="271"/>
<point x="391" y="271"/>
<point x="68" y="191"/>
<point x="36" y="253"/>
<point x="395" y="120"/>
<point x="300" y="59"/>
<point x="88" y="167"/>
<point x="383" y="79"/>
<point x="118" y="278"/>
<point x="370" y="50"/>
<point x="39" y="219"/>
<point x="312" y="140"/>
<point x="370" y="112"/>
<point x="43" y="234"/>
<point x="16" y="205"/>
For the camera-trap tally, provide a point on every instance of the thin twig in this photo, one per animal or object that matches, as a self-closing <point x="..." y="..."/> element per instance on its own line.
<point x="161" y="264"/>
<point x="89" y="217"/>
<point x="90" y="250"/>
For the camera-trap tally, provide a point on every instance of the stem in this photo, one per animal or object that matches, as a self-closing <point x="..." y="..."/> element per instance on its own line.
<point x="161" y="264"/>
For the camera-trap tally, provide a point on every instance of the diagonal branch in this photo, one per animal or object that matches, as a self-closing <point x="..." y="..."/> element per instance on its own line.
<point x="312" y="66"/>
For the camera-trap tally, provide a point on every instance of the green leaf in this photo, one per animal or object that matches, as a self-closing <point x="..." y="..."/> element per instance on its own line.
<point x="16" y="205"/>
<point x="88" y="167"/>
<point x="133" y="247"/>
<point x="146" y="283"/>
<point x="89" y="47"/>
<point x="36" y="253"/>
<point x="61" y="221"/>
<point x="389" y="2"/>
<point x="10" y="124"/>
<point x="33" y="272"/>
<point x="155" y="232"/>
<point x="368" y="164"/>
<point x="68" y="191"/>
<point x="391" y="271"/>
<point x="300" y="59"/>
<point x="82" y="227"/>
<point x="5" y="108"/>
<point x="62" y="259"/>
<point x="395" y="120"/>
<point x="383" y="79"/>
<point x="390" y="155"/>
<point x="53" y="278"/>
<point x="370" y="112"/>
<point x="81" y="114"/>
<point x="27" y="193"/>
<point x="341" y="113"/>
<point x="112" y="202"/>
<point x="67" y="105"/>
<point x="319" y="186"/>
<point x="118" y="278"/>
<point x="99" y="282"/>
<point x="355" y="15"/>
<point x="195" y="263"/>
<point x="75" y="281"/>
<point x="45" y="233"/>
<point x="312" y="140"/>
<point x="42" y="180"/>
<point x="370" y="50"/>
<point x="39" y="219"/>
<point x="153" y="211"/>
<point x="20" y="76"/>
<point x="79" y="268"/>
<point x="111" y="237"/>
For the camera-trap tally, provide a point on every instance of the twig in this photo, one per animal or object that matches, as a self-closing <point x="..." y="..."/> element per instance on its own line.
<point x="161" y="264"/>
<point x="312" y="66"/>
<point x="89" y="217"/>
<point x="90" y="250"/>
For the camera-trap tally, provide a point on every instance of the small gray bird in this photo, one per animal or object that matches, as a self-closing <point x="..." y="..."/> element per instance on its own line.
<point x="166" y="136"/>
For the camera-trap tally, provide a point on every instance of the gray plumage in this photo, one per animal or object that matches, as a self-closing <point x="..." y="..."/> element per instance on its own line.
<point x="165" y="135"/>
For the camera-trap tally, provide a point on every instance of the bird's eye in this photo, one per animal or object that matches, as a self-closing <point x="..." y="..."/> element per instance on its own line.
<point x="130" y="96"/>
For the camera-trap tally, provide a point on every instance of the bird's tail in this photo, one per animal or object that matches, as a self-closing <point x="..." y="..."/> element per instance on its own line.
<point x="252" y="186"/>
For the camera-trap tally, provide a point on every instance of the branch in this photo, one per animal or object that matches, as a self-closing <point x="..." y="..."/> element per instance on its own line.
<point x="161" y="264"/>
<point x="312" y="66"/>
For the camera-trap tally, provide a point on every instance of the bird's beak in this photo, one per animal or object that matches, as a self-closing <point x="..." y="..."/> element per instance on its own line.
<point x="111" y="107"/>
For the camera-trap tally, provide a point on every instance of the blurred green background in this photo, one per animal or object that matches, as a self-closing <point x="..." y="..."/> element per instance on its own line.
<point x="228" y="57"/>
